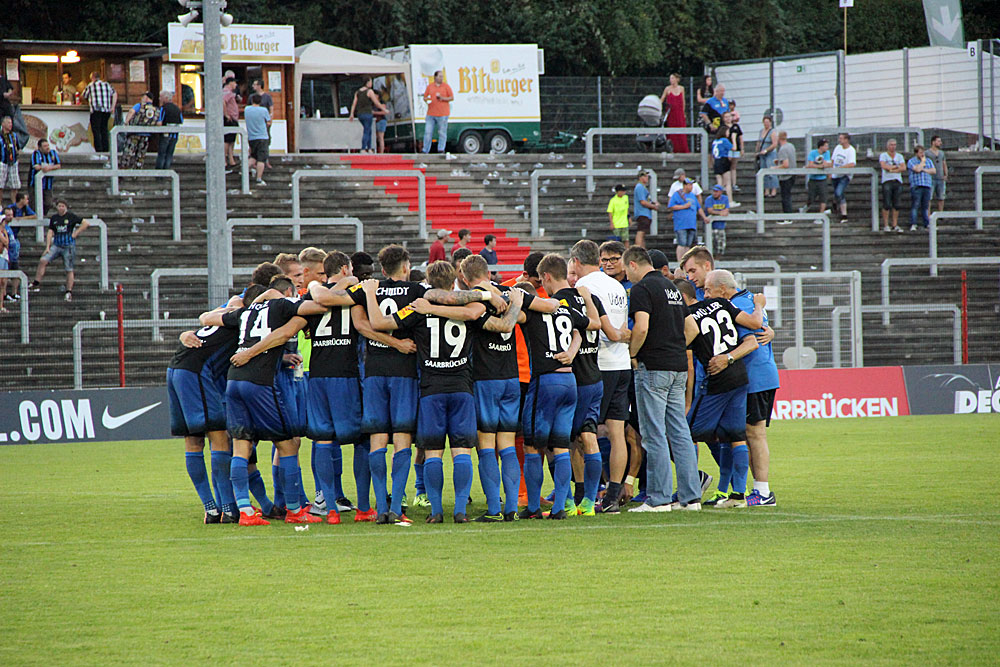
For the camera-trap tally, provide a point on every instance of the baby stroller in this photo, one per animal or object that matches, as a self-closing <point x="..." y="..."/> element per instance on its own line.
<point x="652" y="115"/>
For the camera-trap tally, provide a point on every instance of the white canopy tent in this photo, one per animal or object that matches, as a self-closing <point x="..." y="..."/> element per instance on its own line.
<point x="317" y="58"/>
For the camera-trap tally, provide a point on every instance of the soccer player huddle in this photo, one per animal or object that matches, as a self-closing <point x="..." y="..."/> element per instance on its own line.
<point x="315" y="347"/>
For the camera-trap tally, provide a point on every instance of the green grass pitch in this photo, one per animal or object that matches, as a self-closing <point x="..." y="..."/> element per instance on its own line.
<point x="883" y="549"/>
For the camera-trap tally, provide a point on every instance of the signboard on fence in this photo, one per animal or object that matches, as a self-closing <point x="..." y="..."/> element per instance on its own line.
<point x="841" y="392"/>
<point x="240" y="43"/>
<point x="90" y="415"/>
<point x="959" y="390"/>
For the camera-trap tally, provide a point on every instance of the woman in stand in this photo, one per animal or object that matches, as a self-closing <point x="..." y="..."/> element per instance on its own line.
<point x="705" y="90"/>
<point x="673" y="99"/>
<point x="767" y="147"/>
<point x="365" y="102"/>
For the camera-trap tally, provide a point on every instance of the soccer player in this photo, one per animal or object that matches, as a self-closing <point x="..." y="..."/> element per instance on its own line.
<point x="553" y="340"/>
<point x="196" y="387"/>
<point x="255" y="410"/>
<point x="719" y="411"/>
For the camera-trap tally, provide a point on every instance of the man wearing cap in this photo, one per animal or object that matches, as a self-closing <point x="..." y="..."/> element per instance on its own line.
<point x="715" y="210"/>
<point x="643" y="208"/>
<point x="618" y="214"/>
<point x="437" y="248"/>
<point x="678" y="184"/>
<point x="659" y="260"/>
<point x="684" y="205"/>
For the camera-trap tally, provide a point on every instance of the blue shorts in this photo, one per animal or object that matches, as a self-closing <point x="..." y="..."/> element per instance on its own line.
<point x="293" y="393"/>
<point x="197" y="402"/>
<point x="381" y="124"/>
<point x="256" y="412"/>
<point x="719" y="417"/>
<point x="548" y="411"/>
<point x="334" y="409"/>
<point x="498" y="405"/>
<point x="588" y="408"/>
<point x="452" y="415"/>
<point x="390" y="404"/>
<point x="685" y="237"/>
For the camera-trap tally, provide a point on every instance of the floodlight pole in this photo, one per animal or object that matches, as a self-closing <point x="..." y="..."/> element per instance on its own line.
<point x="219" y="250"/>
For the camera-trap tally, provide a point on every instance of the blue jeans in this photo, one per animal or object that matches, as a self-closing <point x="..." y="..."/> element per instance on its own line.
<point x="660" y="397"/>
<point x="920" y="199"/>
<point x="165" y="154"/>
<point x="839" y="185"/>
<point x="367" y="120"/>
<point x="441" y="124"/>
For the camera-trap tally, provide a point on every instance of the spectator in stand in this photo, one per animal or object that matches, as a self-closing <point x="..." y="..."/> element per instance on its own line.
<point x="735" y="136"/>
<point x="10" y="146"/>
<point x="785" y="160"/>
<point x="363" y="106"/>
<point x="844" y="157"/>
<point x="705" y="90"/>
<point x="489" y="251"/>
<point x="103" y="99"/>
<point x="940" y="179"/>
<point x="464" y="238"/>
<point x="65" y="91"/>
<point x="258" y="122"/>
<point x="267" y="102"/>
<point x="715" y="210"/>
<point x="893" y="165"/>
<point x="678" y="184"/>
<point x="60" y="241"/>
<point x="143" y="112"/>
<point x="43" y="160"/>
<point x="230" y="116"/>
<point x="673" y="99"/>
<point x="13" y="255"/>
<point x="721" y="148"/>
<point x="438" y="97"/>
<point x="22" y="209"/>
<point x="438" y="252"/>
<point x="170" y="114"/>
<point x="618" y="214"/>
<point x="684" y="205"/>
<point x="922" y="172"/>
<point x="818" y="159"/>
<point x="642" y="209"/>
<point x="8" y="215"/>
<point x="711" y="113"/>
<point x="767" y="149"/>
<point x="381" y="117"/>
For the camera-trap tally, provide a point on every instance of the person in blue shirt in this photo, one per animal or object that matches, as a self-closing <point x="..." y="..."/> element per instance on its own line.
<point x="722" y="148"/>
<point x="258" y="120"/>
<point x="642" y="208"/>
<point x="60" y="241"/>
<point x="43" y="160"/>
<point x="489" y="251"/>
<point x="684" y="205"/>
<point x="715" y="209"/>
<point x="711" y="113"/>
<point x="818" y="159"/>
<point x="921" y="170"/>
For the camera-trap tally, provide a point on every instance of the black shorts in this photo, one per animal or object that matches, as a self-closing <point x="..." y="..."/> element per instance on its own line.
<point x="643" y="224"/>
<point x="520" y="412"/>
<point x="13" y="265"/>
<point x="230" y="138"/>
<point x="817" y="190"/>
<point x="253" y="457"/>
<point x="890" y="195"/>
<point x="260" y="149"/>
<point x="614" y="402"/>
<point x="722" y="166"/>
<point x="759" y="406"/>
<point x="633" y="406"/>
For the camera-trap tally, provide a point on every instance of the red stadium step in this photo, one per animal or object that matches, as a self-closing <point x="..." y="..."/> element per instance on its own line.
<point x="445" y="209"/>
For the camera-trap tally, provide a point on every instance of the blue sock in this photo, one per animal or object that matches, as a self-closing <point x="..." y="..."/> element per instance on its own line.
<point x="400" y="476"/>
<point x="591" y="475"/>
<point x="434" y="478"/>
<point x="279" y="488"/>
<point x="561" y="473"/>
<point x="418" y="473"/>
<point x="741" y="465"/>
<point x="195" y="463"/>
<point x="714" y="447"/>
<point x="510" y="473"/>
<point x="461" y="475"/>
<point x="303" y="498"/>
<point x="221" y="462"/>
<point x="324" y="469"/>
<point x="238" y="474"/>
<point x="725" y="465"/>
<point x="376" y="461"/>
<point x="338" y="473"/>
<point x="291" y="477"/>
<point x="604" y="446"/>
<point x="533" y="480"/>
<point x="489" y="477"/>
<point x="362" y="477"/>
<point x="315" y="472"/>
<point x="259" y="491"/>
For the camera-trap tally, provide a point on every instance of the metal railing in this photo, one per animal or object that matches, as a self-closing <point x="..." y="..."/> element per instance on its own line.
<point x="925" y="261"/>
<point x="951" y="215"/>
<point x="830" y="131"/>
<point x="180" y="129"/>
<point x="862" y="171"/>
<point x="23" y="304"/>
<point x="985" y="169"/>
<point x="299" y="174"/>
<point x="573" y="173"/>
<point x="96" y="222"/>
<point x="296" y="223"/>
<point x="823" y="217"/>
<point x="154" y="290"/>
<point x="84" y="325"/>
<point x="588" y="139"/>
<point x="112" y="173"/>
<point x="916" y="308"/>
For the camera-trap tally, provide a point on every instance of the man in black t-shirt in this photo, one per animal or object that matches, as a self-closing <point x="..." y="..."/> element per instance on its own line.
<point x="660" y="335"/>
<point x="170" y="114"/>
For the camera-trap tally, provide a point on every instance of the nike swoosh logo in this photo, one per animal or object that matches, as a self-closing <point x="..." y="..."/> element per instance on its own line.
<point x="111" y="423"/>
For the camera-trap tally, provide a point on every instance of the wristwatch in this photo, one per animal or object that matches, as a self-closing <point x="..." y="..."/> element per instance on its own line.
<point x="731" y="359"/>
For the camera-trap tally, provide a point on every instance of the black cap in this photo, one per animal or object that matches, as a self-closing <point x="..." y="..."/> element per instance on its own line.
<point x="619" y="188"/>
<point x="658" y="259"/>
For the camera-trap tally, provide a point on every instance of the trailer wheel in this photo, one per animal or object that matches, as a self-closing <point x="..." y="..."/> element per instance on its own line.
<point x="471" y="142"/>
<point x="498" y="141"/>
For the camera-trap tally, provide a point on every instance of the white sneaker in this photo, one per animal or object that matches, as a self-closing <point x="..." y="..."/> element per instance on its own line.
<point x="732" y="502"/>
<point x="734" y="204"/>
<point x="261" y="181"/>
<point x="913" y="228"/>
<point x="785" y="222"/>
<point x="692" y="507"/>
<point x="646" y="507"/>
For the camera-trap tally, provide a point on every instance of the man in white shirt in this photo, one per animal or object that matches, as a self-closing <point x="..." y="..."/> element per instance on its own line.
<point x="612" y="359"/>
<point x="893" y="165"/>
<point x="845" y="157"/>
<point x="678" y="184"/>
